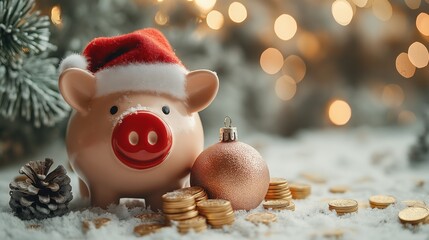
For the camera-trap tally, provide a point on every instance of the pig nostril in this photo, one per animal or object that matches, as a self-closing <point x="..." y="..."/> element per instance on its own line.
<point x="152" y="138"/>
<point x="133" y="138"/>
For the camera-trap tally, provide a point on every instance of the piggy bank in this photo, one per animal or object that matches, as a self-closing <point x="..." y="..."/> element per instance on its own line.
<point x="135" y="130"/>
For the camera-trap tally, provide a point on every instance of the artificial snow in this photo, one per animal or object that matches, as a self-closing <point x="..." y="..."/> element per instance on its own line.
<point x="368" y="161"/>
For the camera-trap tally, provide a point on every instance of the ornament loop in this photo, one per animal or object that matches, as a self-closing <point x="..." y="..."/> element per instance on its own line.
<point x="226" y="120"/>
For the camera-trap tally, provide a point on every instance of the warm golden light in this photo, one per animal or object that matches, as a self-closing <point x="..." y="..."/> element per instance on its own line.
<point x="360" y="3"/>
<point x="285" y="27"/>
<point x="406" y="117"/>
<point x="56" y="15"/>
<point x="271" y="60"/>
<point x="308" y="45"/>
<point x="160" y="18"/>
<point x="404" y="66"/>
<point x="339" y="112"/>
<point x="294" y="67"/>
<point x="393" y="95"/>
<point x="422" y="23"/>
<point x="205" y="5"/>
<point x="418" y="55"/>
<point x="382" y="9"/>
<point x="285" y="88"/>
<point x="342" y="12"/>
<point x="413" y="4"/>
<point x="215" y="20"/>
<point x="237" y="12"/>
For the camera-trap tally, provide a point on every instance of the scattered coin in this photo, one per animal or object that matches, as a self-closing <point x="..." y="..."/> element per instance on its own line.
<point x="144" y="229"/>
<point x="335" y="233"/>
<point x="264" y="217"/>
<point x="98" y="223"/>
<point x="151" y="217"/>
<point x="34" y="226"/>
<point x="381" y="201"/>
<point x="313" y="177"/>
<point x="338" y="189"/>
<point x="218" y="212"/>
<point x="343" y="206"/>
<point x="413" y="215"/>
<point x="414" y="203"/>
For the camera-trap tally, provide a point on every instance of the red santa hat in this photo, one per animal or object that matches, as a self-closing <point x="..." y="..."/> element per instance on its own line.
<point x="139" y="61"/>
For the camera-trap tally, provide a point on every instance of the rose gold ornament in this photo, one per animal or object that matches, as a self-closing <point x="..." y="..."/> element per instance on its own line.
<point x="232" y="170"/>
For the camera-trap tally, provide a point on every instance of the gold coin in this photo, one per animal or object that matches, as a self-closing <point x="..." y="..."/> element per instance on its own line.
<point x="343" y="203"/>
<point x="177" y="197"/>
<point x="338" y="189"/>
<point x="413" y="215"/>
<point x="382" y="200"/>
<point x="178" y="210"/>
<point x="182" y="216"/>
<point x="194" y="191"/>
<point x="277" y="181"/>
<point x="275" y="204"/>
<point x="213" y="204"/>
<point x="335" y="233"/>
<point x="98" y="223"/>
<point x="217" y="215"/>
<point x="196" y="221"/>
<point x="144" y="229"/>
<point x="314" y="177"/>
<point x="263" y="217"/>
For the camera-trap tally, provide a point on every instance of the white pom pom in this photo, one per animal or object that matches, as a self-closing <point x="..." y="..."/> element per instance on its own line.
<point x="73" y="61"/>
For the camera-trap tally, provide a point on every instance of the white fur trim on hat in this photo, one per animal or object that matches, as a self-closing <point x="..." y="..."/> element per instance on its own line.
<point x="73" y="61"/>
<point x="159" y="77"/>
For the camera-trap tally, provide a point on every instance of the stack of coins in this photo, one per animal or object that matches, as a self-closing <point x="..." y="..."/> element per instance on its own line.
<point x="179" y="206"/>
<point x="381" y="201"/>
<point x="197" y="224"/>
<point x="280" y="204"/>
<point x="278" y="189"/>
<point x="343" y="206"/>
<point x="264" y="217"/>
<point x="300" y="191"/>
<point x="414" y="215"/>
<point x="217" y="211"/>
<point x="197" y="192"/>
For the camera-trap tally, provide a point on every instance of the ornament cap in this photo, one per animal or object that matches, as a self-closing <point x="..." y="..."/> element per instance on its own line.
<point x="228" y="133"/>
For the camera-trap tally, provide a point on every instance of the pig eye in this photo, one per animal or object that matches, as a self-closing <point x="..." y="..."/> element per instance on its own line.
<point x="113" y="110"/>
<point x="166" y="110"/>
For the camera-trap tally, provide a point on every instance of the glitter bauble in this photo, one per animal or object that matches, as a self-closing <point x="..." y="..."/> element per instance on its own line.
<point x="234" y="171"/>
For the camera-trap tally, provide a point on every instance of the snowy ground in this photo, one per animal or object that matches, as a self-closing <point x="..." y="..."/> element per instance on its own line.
<point x="366" y="160"/>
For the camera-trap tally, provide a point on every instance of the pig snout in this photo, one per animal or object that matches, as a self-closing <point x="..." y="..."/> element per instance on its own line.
<point x="141" y="140"/>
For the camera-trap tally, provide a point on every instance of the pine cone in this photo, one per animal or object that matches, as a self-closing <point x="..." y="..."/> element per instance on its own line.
<point x="40" y="195"/>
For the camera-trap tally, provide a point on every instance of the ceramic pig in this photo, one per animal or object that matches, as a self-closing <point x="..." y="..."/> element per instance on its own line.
<point x="135" y="130"/>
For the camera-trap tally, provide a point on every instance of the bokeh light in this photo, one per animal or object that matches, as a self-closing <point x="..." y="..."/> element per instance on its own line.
<point x="160" y="18"/>
<point x="418" y="55"/>
<point x="285" y="88"/>
<point x="413" y="4"/>
<point x="360" y="3"/>
<point x="294" y="67"/>
<point x="339" y="112"/>
<point x="308" y="45"/>
<point x="205" y="5"/>
<point x="342" y="12"/>
<point x="271" y="60"/>
<point x="422" y="23"/>
<point x="404" y="66"/>
<point x="237" y="12"/>
<point x="406" y="117"/>
<point x="215" y="20"/>
<point x="56" y="15"/>
<point x="382" y="9"/>
<point x="393" y="95"/>
<point x="285" y="27"/>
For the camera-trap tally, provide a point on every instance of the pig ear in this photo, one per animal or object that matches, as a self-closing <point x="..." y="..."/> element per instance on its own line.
<point x="201" y="89"/>
<point x="78" y="88"/>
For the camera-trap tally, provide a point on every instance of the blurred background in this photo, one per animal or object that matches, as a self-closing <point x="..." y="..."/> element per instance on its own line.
<point x="283" y="65"/>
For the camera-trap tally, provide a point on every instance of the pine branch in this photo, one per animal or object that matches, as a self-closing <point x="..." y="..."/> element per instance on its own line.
<point x="28" y="85"/>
